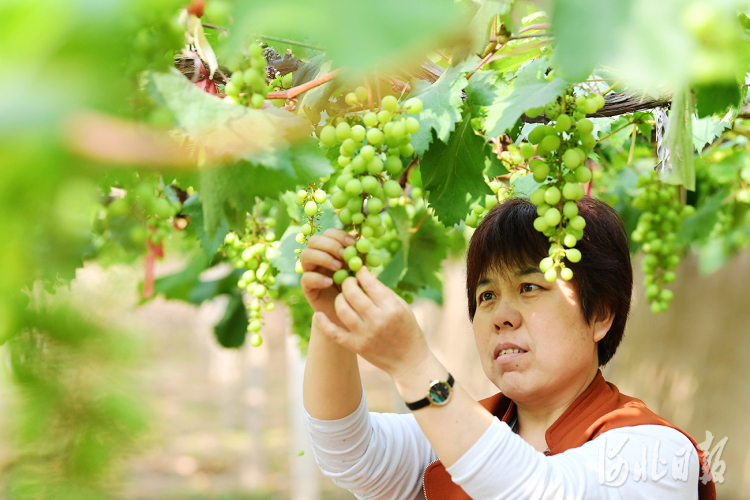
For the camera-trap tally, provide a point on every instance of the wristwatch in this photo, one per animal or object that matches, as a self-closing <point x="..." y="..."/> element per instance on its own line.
<point x="438" y="394"/>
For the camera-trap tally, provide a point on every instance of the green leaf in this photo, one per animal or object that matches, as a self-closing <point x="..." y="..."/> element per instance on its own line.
<point x="479" y="27"/>
<point x="187" y="286"/>
<point x="706" y="130"/>
<point x="716" y="98"/>
<point x="442" y="107"/>
<point x="427" y="250"/>
<point x="698" y="226"/>
<point x="585" y="32"/>
<point x="452" y="173"/>
<point x="529" y="89"/>
<point x="210" y="244"/>
<point x="365" y="33"/>
<point x="524" y="186"/>
<point x="316" y="98"/>
<point x="484" y="88"/>
<point x="230" y="192"/>
<point x="396" y="268"/>
<point x="232" y="329"/>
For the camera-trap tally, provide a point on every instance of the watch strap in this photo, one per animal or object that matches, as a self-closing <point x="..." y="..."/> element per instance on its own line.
<point x="416" y="405"/>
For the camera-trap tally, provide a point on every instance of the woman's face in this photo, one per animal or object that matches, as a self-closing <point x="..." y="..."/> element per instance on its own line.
<point x="521" y="310"/>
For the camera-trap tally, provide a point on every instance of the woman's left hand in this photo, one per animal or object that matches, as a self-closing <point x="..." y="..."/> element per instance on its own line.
<point x="380" y="326"/>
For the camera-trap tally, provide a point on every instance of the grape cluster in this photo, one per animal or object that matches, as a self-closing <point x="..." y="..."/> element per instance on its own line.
<point x="374" y="147"/>
<point x="657" y="229"/>
<point x="142" y="213"/>
<point x="253" y="252"/>
<point x="557" y="162"/>
<point x="310" y="200"/>
<point x="280" y="83"/>
<point x="247" y="85"/>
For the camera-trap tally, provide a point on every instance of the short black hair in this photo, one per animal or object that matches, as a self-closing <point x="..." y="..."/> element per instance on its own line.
<point x="506" y="240"/>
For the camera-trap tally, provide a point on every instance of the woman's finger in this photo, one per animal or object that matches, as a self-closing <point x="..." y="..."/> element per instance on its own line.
<point x="348" y="316"/>
<point x="325" y="244"/>
<point x="356" y="298"/>
<point x="344" y="338"/>
<point x="314" y="281"/>
<point x="311" y="258"/>
<point x="373" y="287"/>
<point x="342" y="237"/>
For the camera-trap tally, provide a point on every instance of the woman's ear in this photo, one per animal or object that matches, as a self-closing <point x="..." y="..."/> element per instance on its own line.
<point x="601" y="325"/>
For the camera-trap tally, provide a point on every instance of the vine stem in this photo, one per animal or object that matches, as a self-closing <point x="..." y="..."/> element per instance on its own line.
<point x="632" y="146"/>
<point x="290" y="42"/>
<point x="485" y="59"/>
<point x="613" y="133"/>
<point x="295" y="91"/>
<point x="419" y="224"/>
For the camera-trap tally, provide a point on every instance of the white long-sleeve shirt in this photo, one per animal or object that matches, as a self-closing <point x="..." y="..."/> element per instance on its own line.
<point x="383" y="456"/>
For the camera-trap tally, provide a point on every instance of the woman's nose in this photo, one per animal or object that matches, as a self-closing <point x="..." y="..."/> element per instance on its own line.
<point x="506" y="316"/>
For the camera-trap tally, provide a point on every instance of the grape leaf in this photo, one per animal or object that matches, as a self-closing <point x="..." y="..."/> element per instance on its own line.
<point x="706" y="130"/>
<point x="316" y="98"/>
<point x="484" y="88"/>
<point x="427" y="250"/>
<point x="452" y="173"/>
<point x="585" y="31"/>
<point x="232" y="329"/>
<point x="478" y="29"/>
<point x="442" y="107"/>
<point x="529" y="89"/>
<point x="230" y="192"/>
<point x="187" y="286"/>
<point x="698" y="226"/>
<point x="395" y="269"/>
<point x="194" y="208"/>
<point x="716" y="98"/>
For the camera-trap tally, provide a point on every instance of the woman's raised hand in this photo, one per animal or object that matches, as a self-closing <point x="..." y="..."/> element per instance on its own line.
<point x="320" y="260"/>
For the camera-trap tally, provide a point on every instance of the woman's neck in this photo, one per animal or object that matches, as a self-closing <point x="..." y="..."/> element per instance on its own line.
<point x="534" y="419"/>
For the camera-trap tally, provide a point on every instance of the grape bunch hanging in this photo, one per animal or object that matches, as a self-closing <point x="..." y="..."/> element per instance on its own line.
<point x="253" y="252"/>
<point x="556" y="153"/>
<point x="247" y="85"/>
<point x="657" y="230"/>
<point x="374" y="148"/>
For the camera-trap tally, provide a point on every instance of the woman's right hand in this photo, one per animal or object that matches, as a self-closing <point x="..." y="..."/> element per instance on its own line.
<point x="321" y="258"/>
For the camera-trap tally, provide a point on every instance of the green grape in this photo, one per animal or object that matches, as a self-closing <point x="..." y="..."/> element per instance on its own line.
<point x="541" y="172"/>
<point x="413" y="106"/>
<point x="354" y="204"/>
<point x="349" y="253"/>
<point x="343" y="131"/>
<point x="571" y="159"/>
<point x="367" y="152"/>
<point x="351" y="99"/>
<point x="552" y="216"/>
<point x="389" y="103"/>
<point x="570" y="210"/>
<point x="311" y="208"/>
<point x="584" y="126"/>
<point x="373" y="259"/>
<point x="320" y="196"/>
<point x="254" y="326"/>
<point x="370" y="119"/>
<point x="358" y="133"/>
<point x="362" y="94"/>
<point x="570" y="240"/>
<point x="375" y="166"/>
<point x="552" y="196"/>
<point x="583" y="175"/>
<point x="342" y="181"/>
<point x="344" y="160"/>
<point x="374" y="205"/>
<point x="550" y="142"/>
<point x="306" y="229"/>
<point x="573" y="255"/>
<point x="355" y="264"/>
<point x="563" y="123"/>
<point x="328" y="135"/>
<point x="340" y="275"/>
<point x="398" y="129"/>
<point x="566" y="274"/>
<point x="527" y="150"/>
<point x="392" y="188"/>
<point x="406" y="150"/>
<point x="370" y="184"/>
<point x="345" y="216"/>
<point x="375" y="136"/>
<point x="353" y="187"/>
<point x="412" y="125"/>
<point x="286" y="80"/>
<point x="393" y="165"/>
<point x="358" y="218"/>
<point x="363" y="245"/>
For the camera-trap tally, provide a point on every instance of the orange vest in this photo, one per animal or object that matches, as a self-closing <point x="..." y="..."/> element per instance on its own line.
<point x="600" y="408"/>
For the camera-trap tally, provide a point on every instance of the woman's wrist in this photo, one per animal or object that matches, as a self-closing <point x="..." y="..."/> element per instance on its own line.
<point x="413" y="382"/>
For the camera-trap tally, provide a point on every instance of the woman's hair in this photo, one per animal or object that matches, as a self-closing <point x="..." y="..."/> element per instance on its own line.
<point x="506" y="241"/>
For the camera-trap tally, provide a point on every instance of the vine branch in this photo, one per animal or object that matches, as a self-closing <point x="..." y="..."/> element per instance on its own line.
<point x="295" y="91"/>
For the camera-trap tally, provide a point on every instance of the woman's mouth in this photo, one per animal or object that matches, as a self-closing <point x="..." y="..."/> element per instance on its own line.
<point x="505" y="354"/>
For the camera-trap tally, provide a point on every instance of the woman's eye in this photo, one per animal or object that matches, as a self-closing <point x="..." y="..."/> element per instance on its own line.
<point x="485" y="296"/>
<point x="529" y="287"/>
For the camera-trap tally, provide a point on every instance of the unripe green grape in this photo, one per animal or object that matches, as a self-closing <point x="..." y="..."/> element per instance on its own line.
<point x="527" y="150"/>
<point x="552" y="196"/>
<point x="257" y="100"/>
<point x="230" y="238"/>
<point x="355" y="264"/>
<point x="478" y="209"/>
<point x="363" y="245"/>
<point x="581" y="103"/>
<point x="471" y="220"/>
<point x="540" y="224"/>
<point x="375" y="136"/>
<point x="259" y="291"/>
<point x="537" y="197"/>
<point x="584" y="126"/>
<point x="578" y="223"/>
<point x="588" y="140"/>
<point x="358" y="133"/>
<point x="536" y="135"/>
<point x="374" y="205"/>
<point x="342" y="180"/>
<point x="254" y="326"/>
<point x="384" y="116"/>
<point x="237" y="79"/>
<point x="343" y="131"/>
<point x="286" y="80"/>
<point x="534" y="112"/>
<point x="354" y="204"/>
<point x="569" y="240"/>
<point x="552" y="109"/>
<point x="254" y="304"/>
<point x="349" y="253"/>
<point x="358" y="218"/>
<point x="367" y="231"/>
<point x="306" y="229"/>
<point x="413" y="106"/>
<point x="563" y="123"/>
<point x="256" y="340"/>
<point x="311" y="208"/>
<point x="542" y="208"/>
<point x="375" y="166"/>
<point x="328" y="135"/>
<point x="571" y="159"/>
<point x="570" y="191"/>
<point x="583" y="175"/>
<point x="361" y="93"/>
<point x="656" y="307"/>
<point x="348" y="147"/>
<point x="353" y="187"/>
<point x="570" y="210"/>
<point x="367" y="152"/>
<point x="551" y="142"/>
<point x="541" y="172"/>
<point x="393" y="165"/>
<point x="373" y="259"/>
<point x="344" y="160"/>
<point x="370" y="119"/>
<point x="546" y="264"/>
<point x="392" y="188"/>
<point x="573" y="255"/>
<point x="370" y="184"/>
<point x="397" y="129"/>
<point x="669" y="277"/>
<point x="345" y="216"/>
<point x="552" y="216"/>
<point x="416" y="193"/>
<point x="340" y="275"/>
<point x="566" y="274"/>
<point x="351" y="99"/>
<point x="320" y="196"/>
<point x="490" y="201"/>
<point x="406" y="151"/>
<point x="358" y="165"/>
<point x="412" y="125"/>
<point x="389" y="103"/>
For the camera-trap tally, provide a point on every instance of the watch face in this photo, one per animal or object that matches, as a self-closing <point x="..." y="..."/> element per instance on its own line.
<point x="440" y="393"/>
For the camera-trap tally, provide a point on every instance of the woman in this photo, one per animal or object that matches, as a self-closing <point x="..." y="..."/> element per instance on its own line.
<point x="556" y="430"/>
